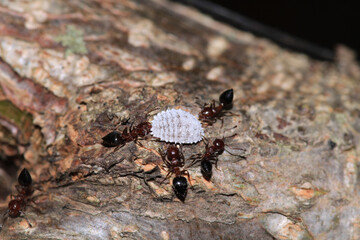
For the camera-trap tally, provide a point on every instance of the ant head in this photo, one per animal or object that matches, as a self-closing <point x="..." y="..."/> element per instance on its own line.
<point x="206" y="112"/>
<point x="173" y="152"/>
<point x="143" y="128"/>
<point x="219" y="145"/>
<point x="226" y="97"/>
<point x="145" y="125"/>
<point x="148" y="126"/>
<point x="14" y="208"/>
<point x="180" y="187"/>
<point x="25" y="178"/>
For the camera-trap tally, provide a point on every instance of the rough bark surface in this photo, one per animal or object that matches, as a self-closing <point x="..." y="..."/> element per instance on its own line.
<point x="71" y="71"/>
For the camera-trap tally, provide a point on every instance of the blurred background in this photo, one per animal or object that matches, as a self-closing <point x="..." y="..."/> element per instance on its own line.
<point x="312" y="27"/>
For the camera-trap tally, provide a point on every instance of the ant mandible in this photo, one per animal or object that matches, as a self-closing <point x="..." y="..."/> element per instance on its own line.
<point x="18" y="204"/>
<point x="174" y="161"/>
<point x="209" y="114"/>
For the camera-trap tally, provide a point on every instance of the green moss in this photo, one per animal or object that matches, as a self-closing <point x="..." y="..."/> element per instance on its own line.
<point x="73" y="40"/>
<point x="13" y="114"/>
<point x="20" y="119"/>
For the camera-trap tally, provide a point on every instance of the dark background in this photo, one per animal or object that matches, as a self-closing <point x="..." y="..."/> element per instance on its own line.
<point x="314" y="27"/>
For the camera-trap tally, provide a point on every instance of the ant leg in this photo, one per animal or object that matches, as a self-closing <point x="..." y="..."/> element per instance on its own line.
<point x="237" y="155"/>
<point x="182" y="156"/>
<point x="150" y="188"/>
<point x="163" y="156"/>
<point x="209" y="122"/>
<point x="27" y="220"/>
<point x="216" y="161"/>
<point x="200" y="103"/>
<point x="206" y="141"/>
<point x="229" y="129"/>
<point x="168" y="175"/>
<point x="230" y="114"/>
<point x="141" y="145"/>
<point x="161" y="153"/>
<point x="167" y="164"/>
<point x="227" y="114"/>
<point x="187" y="174"/>
<point x="118" y="147"/>
<point x="33" y="205"/>
<point x="122" y="122"/>
<point x="147" y="137"/>
<point x="151" y="110"/>
<point x="195" y="158"/>
<point x="153" y="139"/>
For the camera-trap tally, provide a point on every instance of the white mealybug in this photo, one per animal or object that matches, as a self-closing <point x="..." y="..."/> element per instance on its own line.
<point x="177" y="126"/>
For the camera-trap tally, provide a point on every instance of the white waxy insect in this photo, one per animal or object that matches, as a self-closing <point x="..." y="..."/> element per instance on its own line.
<point x="177" y="126"/>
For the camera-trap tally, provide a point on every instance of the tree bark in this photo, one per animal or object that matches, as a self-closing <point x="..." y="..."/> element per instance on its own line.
<point x="73" y="71"/>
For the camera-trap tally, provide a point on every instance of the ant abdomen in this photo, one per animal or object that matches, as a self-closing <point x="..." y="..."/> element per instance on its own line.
<point x="24" y="178"/>
<point x="180" y="187"/>
<point x="226" y="97"/>
<point x="206" y="169"/>
<point x="112" y="139"/>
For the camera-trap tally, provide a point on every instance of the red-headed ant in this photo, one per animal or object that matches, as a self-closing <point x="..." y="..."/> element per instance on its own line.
<point x="209" y="114"/>
<point x="209" y="157"/>
<point x="174" y="161"/>
<point x="118" y="140"/>
<point x="18" y="204"/>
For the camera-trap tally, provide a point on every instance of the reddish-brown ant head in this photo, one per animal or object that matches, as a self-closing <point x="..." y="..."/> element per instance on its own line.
<point x="173" y="153"/>
<point x="206" y="113"/>
<point x="219" y="146"/>
<point x="143" y="129"/>
<point x="15" y="208"/>
<point x="147" y="127"/>
<point x="210" y="150"/>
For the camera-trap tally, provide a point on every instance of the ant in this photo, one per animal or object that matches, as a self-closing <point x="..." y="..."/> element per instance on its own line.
<point x="18" y="204"/>
<point x="118" y="140"/>
<point x="174" y="161"/>
<point x="210" y="156"/>
<point x="209" y="113"/>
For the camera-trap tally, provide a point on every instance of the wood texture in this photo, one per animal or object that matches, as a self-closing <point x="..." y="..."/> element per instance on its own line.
<point x="71" y="71"/>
